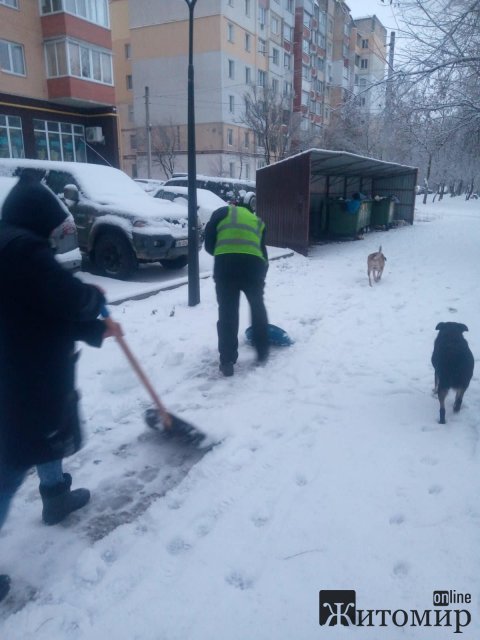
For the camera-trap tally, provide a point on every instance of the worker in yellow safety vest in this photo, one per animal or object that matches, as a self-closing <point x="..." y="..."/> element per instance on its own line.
<point x="235" y="236"/>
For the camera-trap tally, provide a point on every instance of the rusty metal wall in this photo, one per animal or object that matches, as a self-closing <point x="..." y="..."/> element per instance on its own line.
<point x="283" y="202"/>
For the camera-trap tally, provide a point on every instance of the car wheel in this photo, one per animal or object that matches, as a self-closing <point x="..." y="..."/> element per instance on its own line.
<point x="113" y="256"/>
<point x="176" y="263"/>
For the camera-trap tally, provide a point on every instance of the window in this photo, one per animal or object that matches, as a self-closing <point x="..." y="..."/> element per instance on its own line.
<point x="231" y="69"/>
<point x="133" y="141"/>
<point x="357" y="60"/>
<point x="247" y="172"/>
<point x="306" y="72"/>
<point x="275" y="26"/>
<point x="275" y="85"/>
<point x="129" y="81"/>
<point x="12" y="58"/>
<point x="287" y="33"/>
<point x="246" y="139"/>
<point x="247" y="7"/>
<point x="306" y="19"/>
<point x="365" y="44"/>
<point x="287" y="88"/>
<point x="92" y="10"/>
<point x="305" y="46"/>
<point x="230" y="137"/>
<point x="231" y="104"/>
<point x="59" y="141"/>
<point x="248" y="42"/>
<point x="11" y="137"/>
<point x="230" y="32"/>
<point x="248" y="75"/>
<point x="50" y="6"/>
<point x="232" y="169"/>
<point x="69" y="58"/>
<point x="262" y="78"/>
<point x="287" y="61"/>
<point x="262" y="17"/>
<point x="364" y="63"/>
<point x="10" y="3"/>
<point x="128" y="51"/>
<point x="262" y="47"/>
<point x="131" y="117"/>
<point x="275" y="56"/>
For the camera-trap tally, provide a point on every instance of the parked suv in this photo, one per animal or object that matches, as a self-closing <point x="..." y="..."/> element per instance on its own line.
<point x="231" y="190"/>
<point x="63" y="238"/>
<point x="119" y="226"/>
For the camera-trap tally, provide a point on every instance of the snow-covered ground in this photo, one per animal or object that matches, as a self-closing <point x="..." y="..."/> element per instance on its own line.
<point x="332" y="472"/>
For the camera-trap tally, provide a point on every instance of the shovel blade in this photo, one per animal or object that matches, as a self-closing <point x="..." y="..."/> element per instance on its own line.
<point x="179" y="429"/>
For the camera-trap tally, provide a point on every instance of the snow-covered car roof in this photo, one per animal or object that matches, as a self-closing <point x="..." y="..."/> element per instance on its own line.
<point x="207" y="201"/>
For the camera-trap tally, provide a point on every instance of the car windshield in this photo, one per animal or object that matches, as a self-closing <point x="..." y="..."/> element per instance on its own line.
<point x="104" y="184"/>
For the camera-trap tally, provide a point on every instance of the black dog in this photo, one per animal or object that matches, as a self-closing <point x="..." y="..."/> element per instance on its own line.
<point x="453" y="363"/>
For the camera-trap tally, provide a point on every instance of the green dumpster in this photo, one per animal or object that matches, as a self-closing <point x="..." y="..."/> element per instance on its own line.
<point x="383" y="211"/>
<point x="348" y="218"/>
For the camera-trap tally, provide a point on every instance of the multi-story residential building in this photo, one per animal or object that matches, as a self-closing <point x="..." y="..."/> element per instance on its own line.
<point x="369" y="43"/>
<point x="300" y="50"/>
<point x="240" y="47"/>
<point x="57" y="98"/>
<point x="314" y="20"/>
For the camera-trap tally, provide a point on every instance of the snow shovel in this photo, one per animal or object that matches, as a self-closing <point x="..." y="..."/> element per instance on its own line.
<point x="157" y="417"/>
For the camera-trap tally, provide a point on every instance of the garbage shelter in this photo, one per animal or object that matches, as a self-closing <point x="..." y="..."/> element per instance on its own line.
<point x="308" y="198"/>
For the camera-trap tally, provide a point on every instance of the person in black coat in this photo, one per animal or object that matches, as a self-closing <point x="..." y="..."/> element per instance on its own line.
<point x="44" y="309"/>
<point x="240" y="265"/>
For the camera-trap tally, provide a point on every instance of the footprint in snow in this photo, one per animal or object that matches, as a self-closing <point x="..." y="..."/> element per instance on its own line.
<point x="177" y="546"/>
<point x="239" y="581"/>
<point x="401" y="569"/>
<point x="397" y="519"/>
<point x="435" y="489"/>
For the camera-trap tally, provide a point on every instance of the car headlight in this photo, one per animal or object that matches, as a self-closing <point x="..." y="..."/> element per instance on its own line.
<point x="140" y="223"/>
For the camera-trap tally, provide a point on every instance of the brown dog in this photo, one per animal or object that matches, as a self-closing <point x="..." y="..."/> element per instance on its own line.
<point x="376" y="263"/>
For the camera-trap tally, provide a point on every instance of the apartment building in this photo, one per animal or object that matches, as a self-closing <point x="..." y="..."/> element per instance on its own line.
<point x="300" y="50"/>
<point x="369" y="46"/>
<point x="57" y="97"/>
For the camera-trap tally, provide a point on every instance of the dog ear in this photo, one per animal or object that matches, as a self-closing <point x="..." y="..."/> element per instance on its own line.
<point x="439" y="326"/>
<point x="463" y="327"/>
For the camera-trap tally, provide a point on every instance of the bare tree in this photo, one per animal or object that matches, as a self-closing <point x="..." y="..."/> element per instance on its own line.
<point x="269" y="116"/>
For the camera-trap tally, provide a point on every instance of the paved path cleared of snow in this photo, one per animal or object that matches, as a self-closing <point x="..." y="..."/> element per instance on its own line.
<point x="332" y="471"/>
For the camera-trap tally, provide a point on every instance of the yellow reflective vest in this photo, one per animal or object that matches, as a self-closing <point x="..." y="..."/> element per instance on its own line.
<point x="240" y="232"/>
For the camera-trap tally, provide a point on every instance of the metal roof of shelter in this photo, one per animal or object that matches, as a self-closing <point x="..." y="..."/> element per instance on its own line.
<point x="344" y="163"/>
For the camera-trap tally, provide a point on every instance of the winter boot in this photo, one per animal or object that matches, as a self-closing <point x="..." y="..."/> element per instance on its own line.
<point x="4" y="586"/>
<point x="226" y="368"/>
<point x="59" y="500"/>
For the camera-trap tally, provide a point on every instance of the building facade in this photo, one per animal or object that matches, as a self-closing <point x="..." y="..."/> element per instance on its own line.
<point x="57" y="97"/>
<point x="298" y="50"/>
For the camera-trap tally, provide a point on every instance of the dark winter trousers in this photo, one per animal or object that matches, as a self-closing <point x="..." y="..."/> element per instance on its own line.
<point x="49" y="473"/>
<point x="228" y="285"/>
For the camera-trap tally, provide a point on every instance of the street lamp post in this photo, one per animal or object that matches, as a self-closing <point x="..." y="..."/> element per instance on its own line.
<point x="193" y="266"/>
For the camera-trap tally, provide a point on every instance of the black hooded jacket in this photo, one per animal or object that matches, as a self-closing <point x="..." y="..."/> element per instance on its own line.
<point x="44" y="309"/>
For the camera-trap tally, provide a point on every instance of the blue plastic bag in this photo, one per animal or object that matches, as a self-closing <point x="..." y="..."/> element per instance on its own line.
<point x="276" y="337"/>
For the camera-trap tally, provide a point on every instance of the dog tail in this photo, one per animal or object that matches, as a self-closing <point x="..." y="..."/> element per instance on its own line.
<point x="380" y="249"/>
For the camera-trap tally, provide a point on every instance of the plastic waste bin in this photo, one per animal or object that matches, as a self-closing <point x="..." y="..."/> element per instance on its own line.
<point x="383" y="212"/>
<point x="347" y="218"/>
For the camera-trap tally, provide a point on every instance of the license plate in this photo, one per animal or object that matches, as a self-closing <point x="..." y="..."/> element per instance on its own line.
<point x="181" y="243"/>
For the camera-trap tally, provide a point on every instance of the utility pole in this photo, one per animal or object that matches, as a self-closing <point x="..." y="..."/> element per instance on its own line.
<point x="148" y="131"/>
<point x="388" y="117"/>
